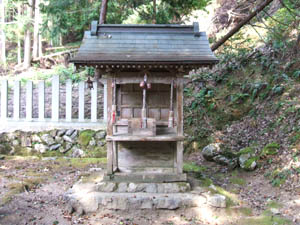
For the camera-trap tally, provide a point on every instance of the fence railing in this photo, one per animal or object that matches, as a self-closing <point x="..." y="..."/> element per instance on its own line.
<point x="93" y="118"/>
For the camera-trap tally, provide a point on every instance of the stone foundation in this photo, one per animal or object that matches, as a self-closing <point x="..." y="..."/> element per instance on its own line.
<point x="93" y="193"/>
<point x="58" y="142"/>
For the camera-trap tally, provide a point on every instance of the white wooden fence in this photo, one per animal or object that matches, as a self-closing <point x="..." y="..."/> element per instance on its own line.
<point x="15" y="120"/>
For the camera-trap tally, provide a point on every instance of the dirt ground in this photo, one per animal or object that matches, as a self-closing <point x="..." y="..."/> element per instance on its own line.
<point x="32" y="190"/>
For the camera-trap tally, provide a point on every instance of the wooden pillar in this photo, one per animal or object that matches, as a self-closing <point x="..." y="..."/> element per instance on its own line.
<point x="105" y="101"/>
<point x="115" y="156"/>
<point x="109" y="127"/>
<point x="109" y="157"/>
<point x="179" y="148"/>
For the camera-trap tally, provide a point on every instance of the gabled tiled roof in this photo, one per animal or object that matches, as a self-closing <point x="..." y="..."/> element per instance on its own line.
<point x="108" y="44"/>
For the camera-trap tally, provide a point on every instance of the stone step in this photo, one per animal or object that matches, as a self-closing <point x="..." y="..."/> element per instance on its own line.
<point x="124" y="187"/>
<point x="146" y="177"/>
<point x="93" y="201"/>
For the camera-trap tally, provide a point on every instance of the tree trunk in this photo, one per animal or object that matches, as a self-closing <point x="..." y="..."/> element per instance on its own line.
<point x="240" y="25"/>
<point x="40" y="46"/>
<point x="35" y="51"/>
<point x="19" y="49"/>
<point x="102" y="17"/>
<point x="19" y="52"/>
<point x="154" y="12"/>
<point x="3" y="39"/>
<point x="27" y="40"/>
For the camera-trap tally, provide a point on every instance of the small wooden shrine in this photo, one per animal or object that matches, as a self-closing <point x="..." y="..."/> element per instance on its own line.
<point x="144" y="67"/>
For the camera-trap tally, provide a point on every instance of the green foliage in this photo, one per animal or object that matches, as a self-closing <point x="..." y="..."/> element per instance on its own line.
<point x="247" y="150"/>
<point x="270" y="149"/>
<point x="169" y="11"/>
<point x="278" y="177"/>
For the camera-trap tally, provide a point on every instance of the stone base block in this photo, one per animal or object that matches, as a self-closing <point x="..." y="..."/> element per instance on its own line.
<point x="93" y="201"/>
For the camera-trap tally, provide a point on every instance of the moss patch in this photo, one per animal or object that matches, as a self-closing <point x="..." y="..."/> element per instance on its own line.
<point x="265" y="219"/>
<point x="274" y="204"/>
<point x="85" y="137"/>
<point x="193" y="167"/>
<point x="238" y="181"/>
<point x="231" y="198"/>
<point x="206" y="182"/>
<point x="81" y="162"/>
<point x="247" y="150"/>
<point x="270" y="149"/>
<point x="96" y="152"/>
<point x="19" y="187"/>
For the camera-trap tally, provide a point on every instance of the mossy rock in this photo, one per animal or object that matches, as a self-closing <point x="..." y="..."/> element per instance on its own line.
<point x="270" y="149"/>
<point x="85" y="137"/>
<point x="248" y="161"/>
<point x="4" y="148"/>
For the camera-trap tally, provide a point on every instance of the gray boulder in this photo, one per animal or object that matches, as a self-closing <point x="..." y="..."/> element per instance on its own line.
<point x="60" y="133"/>
<point x="211" y="150"/>
<point x="77" y="152"/>
<point x="41" y="148"/>
<point x="100" y="135"/>
<point x="69" y="132"/>
<point x="217" y="200"/>
<point x="68" y="139"/>
<point x="92" y="142"/>
<point x="48" y="139"/>
<point x="223" y="160"/>
<point x="54" y="147"/>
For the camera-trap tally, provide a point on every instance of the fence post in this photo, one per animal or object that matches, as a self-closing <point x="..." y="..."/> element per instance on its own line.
<point x="41" y="88"/>
<point x="55" y="98"/>
<point x="17" y="89"/>
<point x="4" y="93"/>
<point x="81" y="101"/>
<point x="94" y="101"/>
<point x="29" y="100"/>
<point x="69" y="100"/>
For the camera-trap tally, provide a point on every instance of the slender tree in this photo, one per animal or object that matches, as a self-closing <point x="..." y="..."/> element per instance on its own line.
<point x="3" y="39"/>
<point x="154" y="11"/>
<point x="27" y="40"/>
<point x="35" y="51"/>
<point x="19" y="35"/>
<point x="103" y="11"/>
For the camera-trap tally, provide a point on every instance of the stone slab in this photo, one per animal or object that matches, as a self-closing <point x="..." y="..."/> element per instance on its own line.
<point x="92" y="201"/>
<point x="146" y="178"/>
<point x="125" y="187"/>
